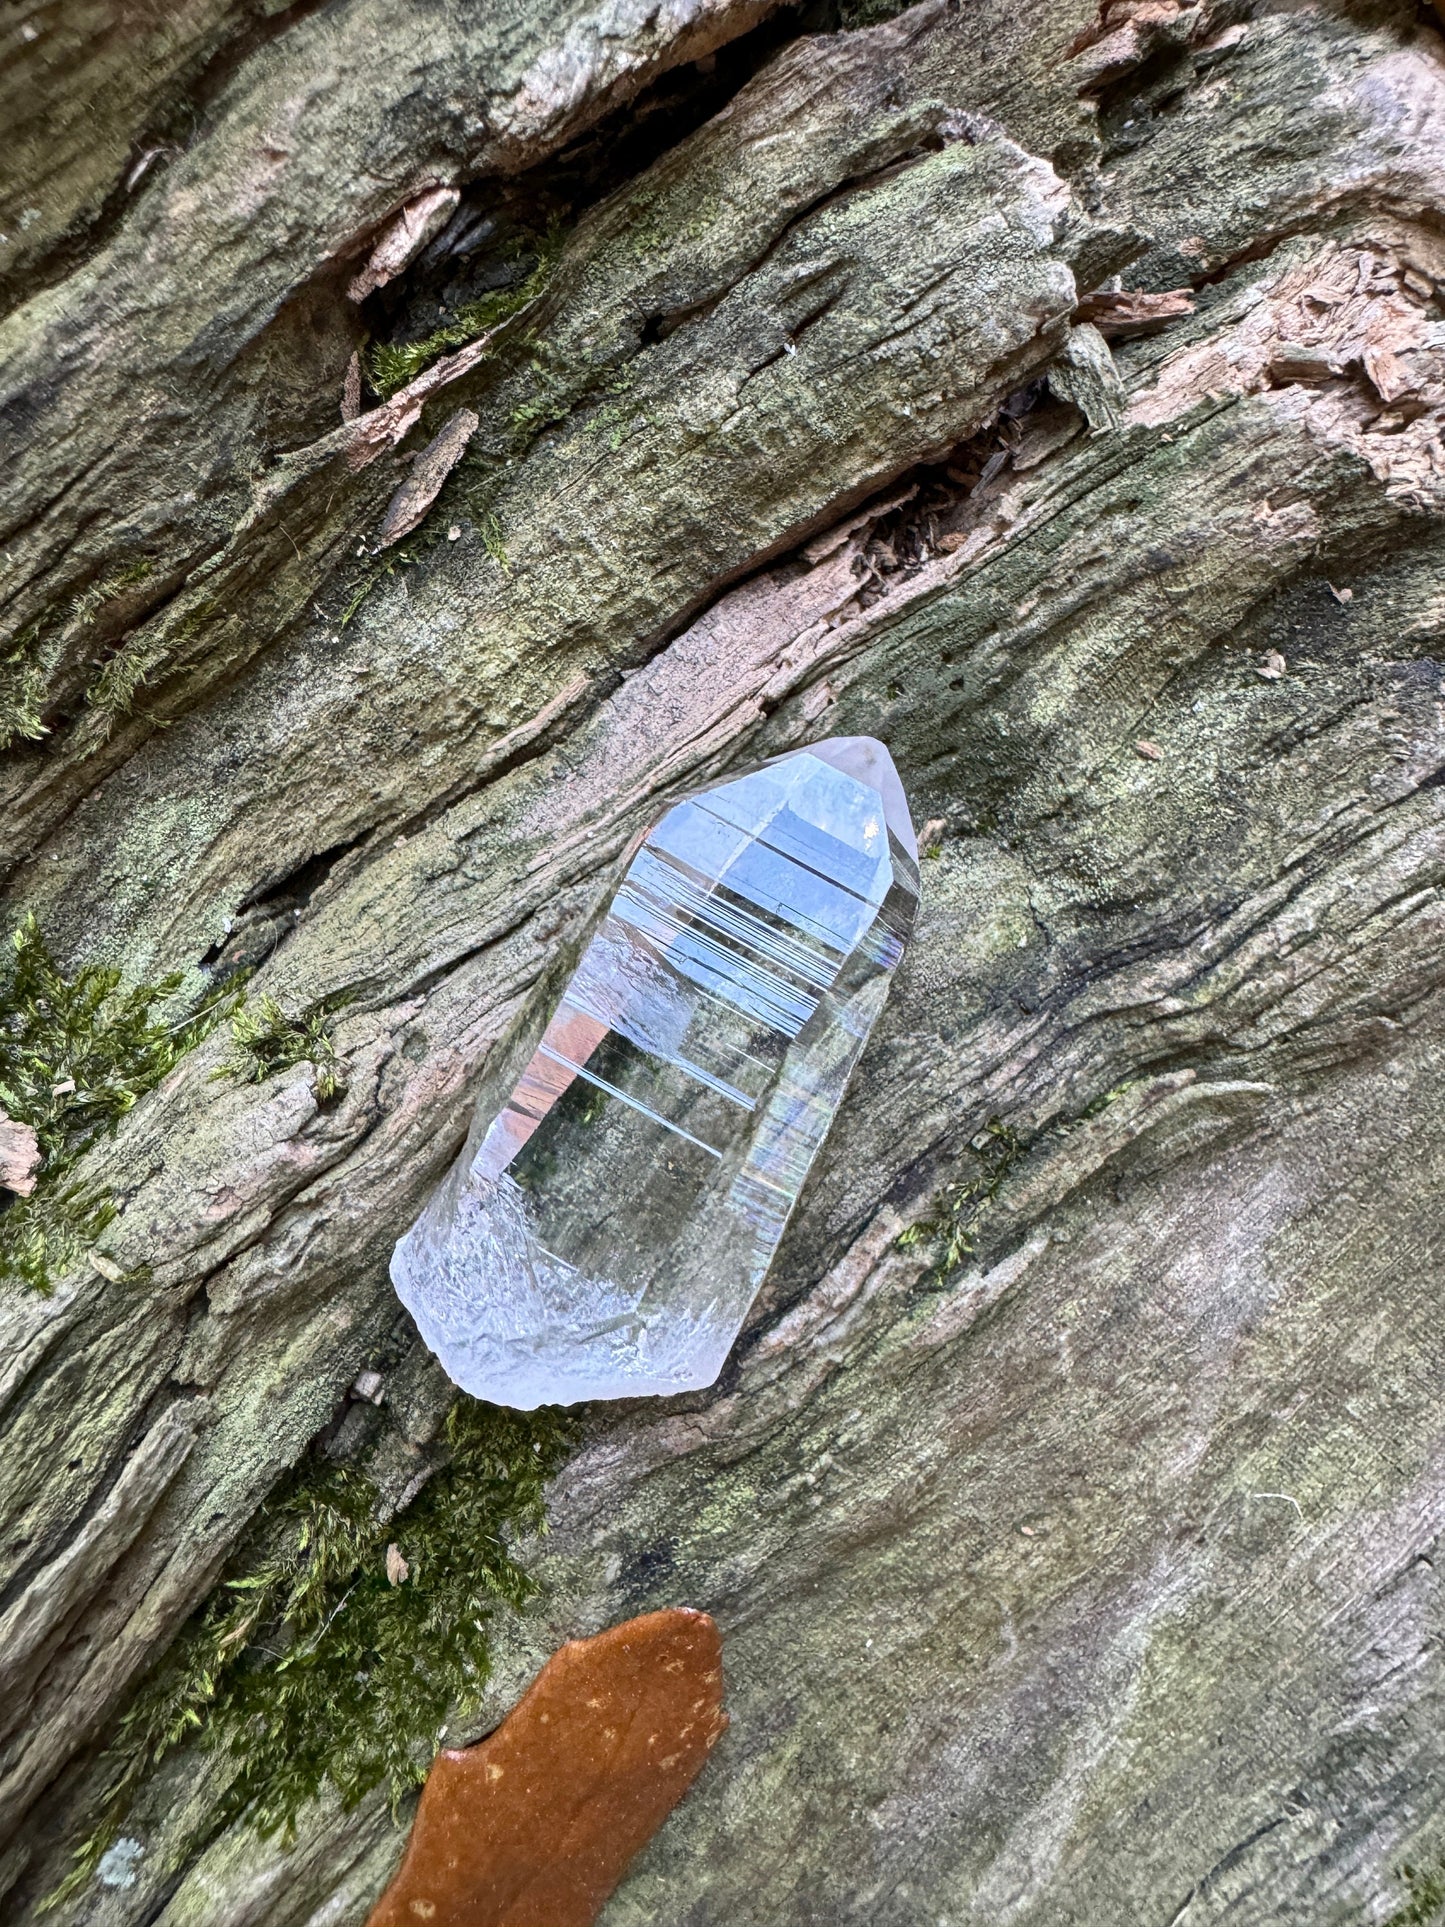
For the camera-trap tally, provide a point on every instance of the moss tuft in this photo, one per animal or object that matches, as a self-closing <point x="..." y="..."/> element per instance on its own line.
<point x="954" y="1226"/>
<point x="997" y="1151"/>
<point x="114" y="690"/>
<point x="265" y="1040"/>
<point x="557" y="393"/>
<point x="23" y="674"/>
<point x="1425" y="1902"/>
<point x="75" y="1055"/>
<point x="310" y="1666"/>
<point x="853" y="14"/>
<point x="25" y="669"/>
<point x="392" y="364"/>
<point x="386" y="565"/>
<point x="125" y="575"/>
<point x="493" y="541"/>
<point x="139" y="658"/>
<point x="42" y="1236"/>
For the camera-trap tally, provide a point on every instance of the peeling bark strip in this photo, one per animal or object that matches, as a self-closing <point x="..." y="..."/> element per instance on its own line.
<point x="1134" y="311"/>
<point x="539" y="1822"/>
<point x="19" y="1156"/>
<point x="429" y="470"/>
<point x="1053" y="391"/>
<point x="404" y="238"/>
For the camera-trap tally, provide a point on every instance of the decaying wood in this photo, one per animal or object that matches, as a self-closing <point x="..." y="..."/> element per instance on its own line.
<point x="19" y="1156"/>
<point x="429" y="469"/>
<point x="1056" y="393"/>
<point x="1120" y="314"/>
<point x="404" y="239"/>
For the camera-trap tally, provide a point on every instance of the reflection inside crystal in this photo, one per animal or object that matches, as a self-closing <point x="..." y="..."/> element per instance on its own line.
<point x="608" y="1232"/>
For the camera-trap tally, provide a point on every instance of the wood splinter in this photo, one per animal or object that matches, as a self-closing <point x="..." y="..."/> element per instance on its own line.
<point x="19" y="1156"/>
<point x="536" y="1825"/>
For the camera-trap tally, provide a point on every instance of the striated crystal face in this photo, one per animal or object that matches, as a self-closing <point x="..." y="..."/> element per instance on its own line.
<point x="605" y="1233"/>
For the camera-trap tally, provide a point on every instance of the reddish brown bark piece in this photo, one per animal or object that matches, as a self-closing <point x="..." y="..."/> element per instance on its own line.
<point x="1133" y="311"/>
<point x="535" y="1826"/>
<point x="429" y="470"/>
<point x="19" y="1156"/>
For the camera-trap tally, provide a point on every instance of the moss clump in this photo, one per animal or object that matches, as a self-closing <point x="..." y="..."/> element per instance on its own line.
<point x="24" y="670"/>
<point x="114" y="690"/>
<point x="556" y="393"/>
<point x="125" y="575"/>
<point x="391" y="365"/>
<point x="1425" y="1902"/>
<point x="75" y="1055"/>
<point x="853" y="14"/>
<point x="310" y="1666"/>
<point x="42" y="1236"/>
<point x="954" y="1226"/>
<point x="997" y="1152"/>
<point x="264" y="1040"/>
<point x="493" y="541"/>
<point x="405" y="557"/>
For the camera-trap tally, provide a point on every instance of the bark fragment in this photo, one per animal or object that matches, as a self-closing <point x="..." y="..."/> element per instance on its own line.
<point x="1085" y="375"/>
<point x="539" y="1821"/>
<point x="1130" y="312"/>
<point x="403" y="239"/>
<point x="429" y="469"/>
<point x="19" y="1156"/>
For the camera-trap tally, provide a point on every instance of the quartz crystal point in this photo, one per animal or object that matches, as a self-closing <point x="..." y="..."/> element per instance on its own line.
<point x="604" y="1234"/>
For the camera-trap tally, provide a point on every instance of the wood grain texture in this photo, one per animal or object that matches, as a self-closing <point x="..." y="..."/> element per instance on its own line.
<point x="1095" y="1580"/>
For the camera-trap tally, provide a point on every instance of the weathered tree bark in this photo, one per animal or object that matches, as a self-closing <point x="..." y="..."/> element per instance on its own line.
<point x="1091" y="1577"/>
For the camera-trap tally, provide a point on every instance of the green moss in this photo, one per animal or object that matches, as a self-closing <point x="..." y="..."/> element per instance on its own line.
<point x="264" y="1040"/>
<point x="75" y="1055"/>
<point x="309" y="1666"/>
<point x="853" y="14"/>
<point x="399" y="558"/>
<point x="125" y="575"/>
<point x="954" y="1226"/>
<point x="996" y="1153"/>
<point x="557" y="394"/>
<point x="42" y="1236"/>
<point x="114" y="690"/>
<point x="392" y="364"/>
<point x="24" y="672"/>
<point x="1425" y="1902"/>
<point x="490" y="530"/>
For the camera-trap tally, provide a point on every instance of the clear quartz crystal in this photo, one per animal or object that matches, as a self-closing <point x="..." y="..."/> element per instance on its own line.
<point x="605" y="1233"/>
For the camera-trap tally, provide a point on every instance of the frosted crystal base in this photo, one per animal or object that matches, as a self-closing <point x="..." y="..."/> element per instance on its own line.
<point x="605" y="1233"/>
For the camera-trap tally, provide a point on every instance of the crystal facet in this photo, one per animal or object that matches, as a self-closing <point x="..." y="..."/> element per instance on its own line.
<point x="605" y="1233"/>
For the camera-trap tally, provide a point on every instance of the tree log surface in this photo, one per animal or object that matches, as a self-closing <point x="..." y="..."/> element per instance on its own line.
<point x="1096" y="1582"/>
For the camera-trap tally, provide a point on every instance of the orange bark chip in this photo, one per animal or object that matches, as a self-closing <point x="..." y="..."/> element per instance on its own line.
<point x="535" y="1826"/>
